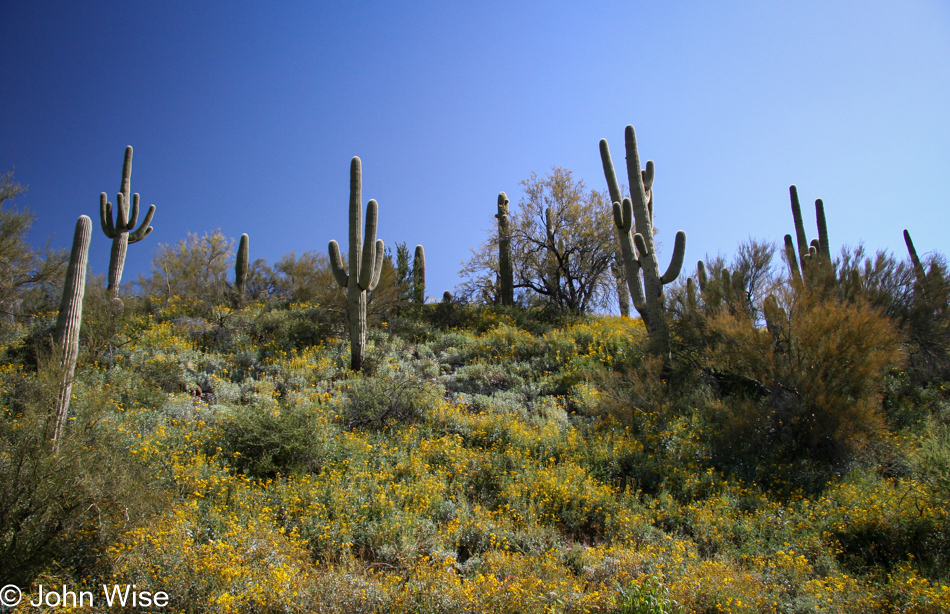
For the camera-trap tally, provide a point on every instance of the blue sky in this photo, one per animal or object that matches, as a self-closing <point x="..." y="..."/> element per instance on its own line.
<point x="245" y="118"/>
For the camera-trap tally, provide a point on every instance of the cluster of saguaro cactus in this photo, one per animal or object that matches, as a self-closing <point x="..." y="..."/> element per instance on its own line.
<point x="121" y="231"/>
<point x="725" y="290"/>
<point x="240" y="267"/>
<point x="506" y="281"/>
<point x="812" y="256"/>
<point x="365" y="262"/>
<point x="419" y="275"/>
<point x="66" y="335"/>
<point x="634" y="221"/>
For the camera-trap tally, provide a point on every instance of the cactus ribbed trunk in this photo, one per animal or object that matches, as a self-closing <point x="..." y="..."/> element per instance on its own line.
<point x="634" y="221"/>
<point x="419" y="275"/>
<point x="120" y="246"/>
<point x="240" y="267"/>
<point x="505" y="274"/>
<point x="66" y="336"/>
<point x="919" y="273"/>
<point x="365" y="263"/>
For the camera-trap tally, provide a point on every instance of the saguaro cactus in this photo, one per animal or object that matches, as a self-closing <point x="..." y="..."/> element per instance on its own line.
<point x="919" y="273"/>
<point x="66" y="335"/>
<point x="808" y="253"/>
<point x="240" y="267"/>
<point x="365" y="262"/>
<point x="506" y="278"/>
<point x="419" y="276"/>
<point x="634" y="221"/>
<point x="121" y="231"/>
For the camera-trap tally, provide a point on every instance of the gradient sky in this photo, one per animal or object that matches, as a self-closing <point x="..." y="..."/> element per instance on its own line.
<point x="245" y="118"/>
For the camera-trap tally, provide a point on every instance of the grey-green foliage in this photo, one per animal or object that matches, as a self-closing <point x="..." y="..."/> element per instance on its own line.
<point x="419" y="276"/>
<point x="194" y="270"/>
<point x="66" y="336"/>
<point x="634" y="222"/>
<point x="240" y="266"/>
<point x="505" y="274"/>
<point x="121" y="231"/>
<point x="811" y="255"/>
<point x="365" y="262"/>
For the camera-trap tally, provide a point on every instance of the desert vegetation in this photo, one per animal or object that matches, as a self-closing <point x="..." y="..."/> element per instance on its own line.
<point x="772" y="434"/>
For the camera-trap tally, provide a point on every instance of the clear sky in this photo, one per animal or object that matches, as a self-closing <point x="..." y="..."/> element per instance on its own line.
<point x="244" y="116"/>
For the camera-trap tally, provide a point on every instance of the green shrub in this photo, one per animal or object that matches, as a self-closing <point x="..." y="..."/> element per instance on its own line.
<point x="934" y="461"/>
<point x="284" y="440"/>
<point x="393" y="394"/>
<point x="809" y="389"/>
<point x="648" y="597"/>
<point x="63" y="509"/>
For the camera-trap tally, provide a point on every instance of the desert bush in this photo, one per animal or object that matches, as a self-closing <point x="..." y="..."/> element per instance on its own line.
<point x="648" y="597"/>
<point x="62" y="508"/>
<point x="928" y="323"/>
<point x="286" y="440"/>
<point x="394" y="394"/>
<point x="808" y="388"/>
<point x="933" y="463"/>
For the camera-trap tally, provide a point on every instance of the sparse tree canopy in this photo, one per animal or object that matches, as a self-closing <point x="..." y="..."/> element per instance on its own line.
<point x="23" y="271"/>
<point x="562" y="247"/>
<point x="195" y="269"/>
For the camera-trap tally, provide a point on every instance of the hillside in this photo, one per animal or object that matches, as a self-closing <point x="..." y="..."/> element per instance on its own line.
<point x="484" y="460"/>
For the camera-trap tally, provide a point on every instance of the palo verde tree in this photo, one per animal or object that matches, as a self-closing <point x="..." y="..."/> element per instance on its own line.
<point x="561" y="248"/>
<point x="23" y="270"/>
<point x="193" y="272"/>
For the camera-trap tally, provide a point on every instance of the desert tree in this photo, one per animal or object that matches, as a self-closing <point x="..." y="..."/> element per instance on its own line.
<point x="562" y="248"/>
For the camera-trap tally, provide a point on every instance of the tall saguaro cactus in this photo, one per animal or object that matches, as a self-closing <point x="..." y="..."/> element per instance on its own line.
<point x="240" y="267"/>
<point x="365" y="262"/>
<point x="419" y="275"/>
<point x="121" y="231"/>
<point x="634" y="221"/>
<point x="506" y="277"/>
<point x="66" y="336"/>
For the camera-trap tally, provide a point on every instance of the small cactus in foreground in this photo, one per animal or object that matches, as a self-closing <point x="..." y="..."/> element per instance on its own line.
<point x="66" y="335"/>
<point x="121" y="231"/>
<point x="634" y="220"/>
<point x="240" y="267"/>
<point x="365" y="263"/>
